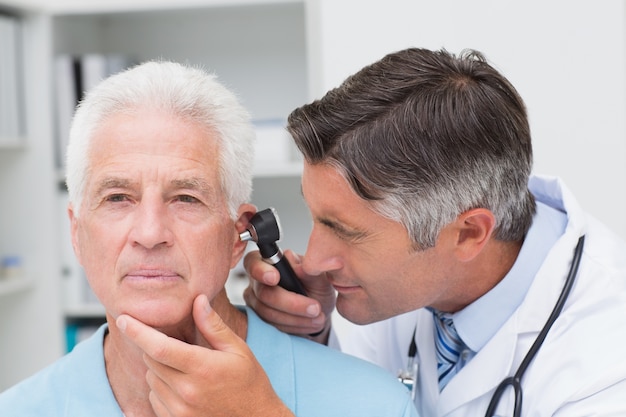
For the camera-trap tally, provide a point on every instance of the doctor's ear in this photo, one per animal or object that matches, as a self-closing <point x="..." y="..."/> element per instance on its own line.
<point x="474" y="229"/>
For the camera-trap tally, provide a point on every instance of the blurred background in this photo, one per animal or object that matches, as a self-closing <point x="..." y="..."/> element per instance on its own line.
<point x="567" y="58"/>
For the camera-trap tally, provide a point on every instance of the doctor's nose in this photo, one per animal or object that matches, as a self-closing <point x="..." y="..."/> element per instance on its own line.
<point x="321" y="256"/>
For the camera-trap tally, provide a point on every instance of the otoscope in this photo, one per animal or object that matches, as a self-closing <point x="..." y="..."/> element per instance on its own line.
<point x="265" y="231"/>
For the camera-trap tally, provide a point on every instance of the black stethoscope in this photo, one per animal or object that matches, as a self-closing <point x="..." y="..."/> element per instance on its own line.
<point x="409" y="377"/>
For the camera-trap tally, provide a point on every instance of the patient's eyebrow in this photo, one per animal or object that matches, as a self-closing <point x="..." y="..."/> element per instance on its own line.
<point x="112" y="182"/>
<point x="193" y="183"/>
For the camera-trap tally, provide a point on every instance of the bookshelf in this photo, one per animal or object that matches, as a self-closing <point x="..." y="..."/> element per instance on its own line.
<point x="31" y="322"/>
<point x="11" y="92"/>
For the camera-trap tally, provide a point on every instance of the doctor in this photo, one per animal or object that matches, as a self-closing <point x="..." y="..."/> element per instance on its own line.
<point x="427" y="226"/>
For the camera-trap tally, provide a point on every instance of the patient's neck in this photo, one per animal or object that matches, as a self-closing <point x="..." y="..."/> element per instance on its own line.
<point x="125" y="366"/>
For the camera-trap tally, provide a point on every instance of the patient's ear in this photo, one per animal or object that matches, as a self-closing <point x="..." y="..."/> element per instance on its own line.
<point x="244" y="214"/>
<point x="74" y="231"/>
<point x="474" y="230"/>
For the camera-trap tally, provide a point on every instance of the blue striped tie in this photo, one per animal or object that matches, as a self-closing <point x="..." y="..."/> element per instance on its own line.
<point x="448" y="346"/>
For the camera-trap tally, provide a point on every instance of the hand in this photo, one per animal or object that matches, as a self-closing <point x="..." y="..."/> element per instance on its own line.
<point x="189" y="380"/>
<point x="290" y="312"/>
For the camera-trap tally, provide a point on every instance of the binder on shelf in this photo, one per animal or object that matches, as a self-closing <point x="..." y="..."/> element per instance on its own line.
<point x="75" y="75"/>
<point x="77" y="294"/>
<point x="78" y="330"/>
<point x="66" y="99"/>
<point x="72" y="274"/>
<point x="11" y="111"/>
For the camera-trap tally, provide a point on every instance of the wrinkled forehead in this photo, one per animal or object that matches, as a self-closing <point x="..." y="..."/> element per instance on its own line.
<point x="157" y="143"/>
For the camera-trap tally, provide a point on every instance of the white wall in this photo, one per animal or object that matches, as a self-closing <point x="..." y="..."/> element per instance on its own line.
<point x="565" y="57"/>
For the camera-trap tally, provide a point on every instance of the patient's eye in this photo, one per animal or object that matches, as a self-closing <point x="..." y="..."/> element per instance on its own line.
<point x="115" y="198"/>
<point x="187" y="199"/>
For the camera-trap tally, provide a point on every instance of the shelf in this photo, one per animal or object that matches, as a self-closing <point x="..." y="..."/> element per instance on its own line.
<point x="12" y="144"/>
<point x="9" y="286"/>
<point x="90" y="310"/>
<point x="103" y="6"/>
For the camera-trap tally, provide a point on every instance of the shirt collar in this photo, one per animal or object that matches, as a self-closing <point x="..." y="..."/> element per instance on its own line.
<point x="479" y="321"/>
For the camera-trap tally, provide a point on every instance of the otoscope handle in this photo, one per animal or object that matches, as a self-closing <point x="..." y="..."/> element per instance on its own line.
<point x="271" y="253"/>
<point x="288" y="279"/>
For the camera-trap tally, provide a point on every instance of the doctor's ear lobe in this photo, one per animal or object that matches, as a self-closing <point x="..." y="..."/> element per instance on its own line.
<point x="475" y="228"/>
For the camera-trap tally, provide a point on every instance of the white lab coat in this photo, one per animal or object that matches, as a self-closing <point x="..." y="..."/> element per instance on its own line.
<point x="580" y="369"/>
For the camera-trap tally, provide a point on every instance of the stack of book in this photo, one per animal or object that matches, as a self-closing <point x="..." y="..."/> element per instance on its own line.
<point x="11" y="122"/>
<point x="75" y="75"/>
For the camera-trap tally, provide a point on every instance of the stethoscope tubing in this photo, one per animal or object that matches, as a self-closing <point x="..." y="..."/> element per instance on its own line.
<point x="516" y="381"/>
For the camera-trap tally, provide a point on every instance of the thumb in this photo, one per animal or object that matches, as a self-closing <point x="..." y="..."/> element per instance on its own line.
<point x="213" y="329"/>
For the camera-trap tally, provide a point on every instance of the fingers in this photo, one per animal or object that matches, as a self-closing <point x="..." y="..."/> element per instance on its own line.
<point x="168" y="362"/>
<point x="263" y="291"/>
<point x="260" y="270"/>
<point x="155" y="344"/>
<point x="160" y="406"/>
<point x="175" y="353"/>
<point x="214" y="330"/>
<point x="287" y="311"/>
<point x="188" y="379"/>
<point x="281" y="303"/>
<point x="290" y="312"/>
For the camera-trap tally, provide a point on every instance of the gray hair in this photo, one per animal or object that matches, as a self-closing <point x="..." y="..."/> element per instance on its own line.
<point x="183" y="91"/>
<point x="425" y="136"/>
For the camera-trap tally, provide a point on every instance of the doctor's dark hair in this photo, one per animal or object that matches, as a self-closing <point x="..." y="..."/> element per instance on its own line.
<point x="425" y="136"/>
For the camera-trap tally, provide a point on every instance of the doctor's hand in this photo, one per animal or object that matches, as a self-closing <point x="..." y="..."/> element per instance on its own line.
<point x="191" y="380"/>
<point x="290" y="312"/>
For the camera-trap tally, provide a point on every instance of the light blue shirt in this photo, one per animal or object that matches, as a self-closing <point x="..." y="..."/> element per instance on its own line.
<point x="479" y="321"/>
<point x="311" y="379"/>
